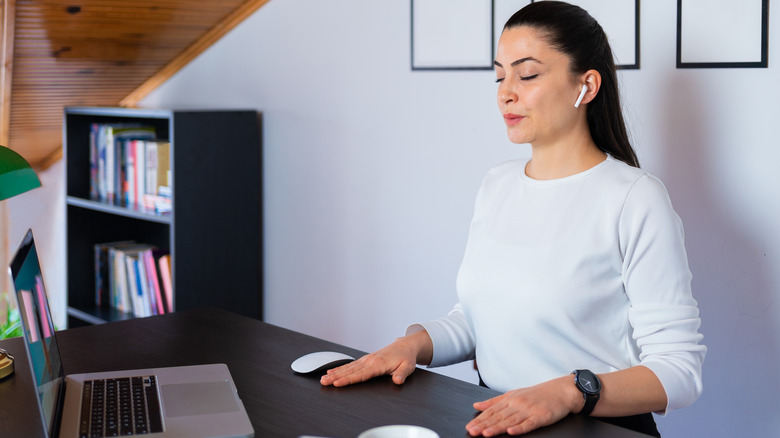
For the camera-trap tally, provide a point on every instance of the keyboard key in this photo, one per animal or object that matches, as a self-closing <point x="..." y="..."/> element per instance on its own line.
<point x="120" y="407"/>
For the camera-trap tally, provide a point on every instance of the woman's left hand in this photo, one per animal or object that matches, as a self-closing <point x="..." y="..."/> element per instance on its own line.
<point x="523" y="410"/>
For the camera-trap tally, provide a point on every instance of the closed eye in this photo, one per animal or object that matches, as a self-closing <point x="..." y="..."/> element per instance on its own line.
<point x="522" y="78"/>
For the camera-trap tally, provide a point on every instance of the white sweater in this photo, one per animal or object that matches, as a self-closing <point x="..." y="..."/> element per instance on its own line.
<point x="583" y="272"/>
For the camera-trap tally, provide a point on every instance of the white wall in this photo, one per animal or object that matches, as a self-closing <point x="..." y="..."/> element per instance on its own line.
<point x="42" y="210"/>
<point x="371" y="171"/>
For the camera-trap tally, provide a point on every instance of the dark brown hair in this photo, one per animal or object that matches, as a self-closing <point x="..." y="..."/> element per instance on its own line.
<point x="573" y="32"/>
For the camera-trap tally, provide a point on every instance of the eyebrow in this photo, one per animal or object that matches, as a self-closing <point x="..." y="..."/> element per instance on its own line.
<point x="518" y="62"/>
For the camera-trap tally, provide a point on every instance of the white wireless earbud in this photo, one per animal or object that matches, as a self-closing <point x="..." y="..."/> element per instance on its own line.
<point x="582" y="94"/>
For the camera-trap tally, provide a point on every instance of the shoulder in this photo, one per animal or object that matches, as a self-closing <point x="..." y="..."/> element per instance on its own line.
<point x="621" y="172"/>
<point x="646" y="203"/>
<point x="633" y="182"/>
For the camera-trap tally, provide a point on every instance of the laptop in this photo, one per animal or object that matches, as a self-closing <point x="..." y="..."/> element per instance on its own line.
<point x="186" y="401"/>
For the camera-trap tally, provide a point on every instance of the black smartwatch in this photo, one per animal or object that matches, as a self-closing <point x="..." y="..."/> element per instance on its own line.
<point x="590" y="386"/>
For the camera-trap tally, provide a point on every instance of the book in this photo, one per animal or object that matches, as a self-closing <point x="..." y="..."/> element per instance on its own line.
<point x="128" y="175"/>
<point x="93" y="161"/>
<point x="100" y="152"/>
<point x="165" y="273"/>
<point x="118" y="274"/>
<point x="133" y="291"/>
<point x="153" y="279"/>
<point x="157" y="194"/>
<point x="130" y="277"/>
<point x="152" y="164"/>
<point x="124" y="284"/>
<point x="102" y="276"/>
<point x="163" y="172"/>
<point x="137" y="282"/>
<point x="115" y="167"/>
<point x="146" y="290"/>
<point x="141" y="299"/>
<point x="139" y="183"/>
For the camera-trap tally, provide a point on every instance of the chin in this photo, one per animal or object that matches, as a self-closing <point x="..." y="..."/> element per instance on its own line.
<point x="518" y="135"/>
<point x="518" y="139"/>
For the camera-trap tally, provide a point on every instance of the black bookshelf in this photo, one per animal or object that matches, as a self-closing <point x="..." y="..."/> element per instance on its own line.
<point x="214" y="233"/>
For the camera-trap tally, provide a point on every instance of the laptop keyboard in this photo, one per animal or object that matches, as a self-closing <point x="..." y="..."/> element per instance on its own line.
<point x="120" y="407"/>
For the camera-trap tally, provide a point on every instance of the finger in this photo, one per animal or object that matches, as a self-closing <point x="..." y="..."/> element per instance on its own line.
<point x="487" y="419"/>
<point x="341" y="372"/>
<point x="355" y="376"/>
<point x="480" y="426"/>
<point x="402" y="372"/>
<point x="497" y="421"/>
<point x="526" y="426"/>
<point x="356" y="372"/>
<point x="347" y="368"/>
<point x="487" y="404"/>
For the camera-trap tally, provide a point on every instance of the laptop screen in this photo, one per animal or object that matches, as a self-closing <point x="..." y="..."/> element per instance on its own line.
<point x="38" y="327"/>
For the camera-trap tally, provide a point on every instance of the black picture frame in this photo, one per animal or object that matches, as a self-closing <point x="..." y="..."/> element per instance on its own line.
<point x="428" y="35"/>
<point x="755" y="53"/>
<point x="424" y="31"/>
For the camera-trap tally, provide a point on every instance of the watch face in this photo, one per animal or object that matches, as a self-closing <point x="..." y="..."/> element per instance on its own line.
<point x="588" y="382"/>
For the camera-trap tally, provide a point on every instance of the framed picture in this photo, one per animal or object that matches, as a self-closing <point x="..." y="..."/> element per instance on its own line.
<point x="722" y="33"/>
<point x="618" y="18"/>
<point x="452" y="35"/>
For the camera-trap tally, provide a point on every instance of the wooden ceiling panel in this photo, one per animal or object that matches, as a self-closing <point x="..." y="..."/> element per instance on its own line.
<point x="101" y="53"/>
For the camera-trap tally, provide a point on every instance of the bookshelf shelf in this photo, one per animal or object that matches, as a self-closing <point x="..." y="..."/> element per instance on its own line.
<point x="120" y="211"/>
<point x="214" y="230"/>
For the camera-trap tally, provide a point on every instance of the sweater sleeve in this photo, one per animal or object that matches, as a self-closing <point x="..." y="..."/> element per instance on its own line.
<point x="657" y="280"/>
<point x="453" y="340"/>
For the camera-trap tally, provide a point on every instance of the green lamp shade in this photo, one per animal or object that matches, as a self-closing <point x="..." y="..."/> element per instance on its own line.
<point x="16" y="175"/>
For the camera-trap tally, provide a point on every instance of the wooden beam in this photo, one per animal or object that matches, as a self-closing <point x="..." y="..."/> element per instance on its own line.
<point x="50" y="159"/>
<point x="7" y="19"/>
<point x="209" y="38"/>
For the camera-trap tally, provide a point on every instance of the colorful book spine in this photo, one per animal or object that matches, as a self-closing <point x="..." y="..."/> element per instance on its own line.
<point x="140" y="172"/>
<point x="154" y="282"/>
<point x="102" y="274"/>
<point x="93" y="161"/>
<point x="165" y="274"/>
<point x="131" y="278"/>
<point x="122" y="170"/>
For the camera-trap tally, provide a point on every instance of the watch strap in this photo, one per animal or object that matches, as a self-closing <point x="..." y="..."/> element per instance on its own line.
<point x="590" y="396"/>
<point x="590" y="403"/>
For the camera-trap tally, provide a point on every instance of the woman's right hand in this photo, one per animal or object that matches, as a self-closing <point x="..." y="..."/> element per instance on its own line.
<point x="398" y="359"/>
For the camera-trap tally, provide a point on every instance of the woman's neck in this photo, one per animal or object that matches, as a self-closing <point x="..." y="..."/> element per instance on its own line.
<point x="563" y="159"/>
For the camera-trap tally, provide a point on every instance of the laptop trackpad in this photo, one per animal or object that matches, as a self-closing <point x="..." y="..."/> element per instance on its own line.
<point x="187" y="399"/>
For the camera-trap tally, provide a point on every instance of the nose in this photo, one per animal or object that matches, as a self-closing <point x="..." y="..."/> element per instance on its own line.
<point x="506" y="93"/>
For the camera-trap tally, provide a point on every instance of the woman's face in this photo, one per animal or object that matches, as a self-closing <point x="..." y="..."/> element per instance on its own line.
<point x="536" y="90"/>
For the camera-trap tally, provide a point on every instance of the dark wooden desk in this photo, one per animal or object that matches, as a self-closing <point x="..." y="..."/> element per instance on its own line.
<point x="279" y="402"/>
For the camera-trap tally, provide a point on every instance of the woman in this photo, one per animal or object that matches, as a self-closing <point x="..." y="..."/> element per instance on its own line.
<point x="575" y="259"/>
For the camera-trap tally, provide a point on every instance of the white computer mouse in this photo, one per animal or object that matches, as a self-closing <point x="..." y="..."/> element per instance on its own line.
<point x="319" y="361"/>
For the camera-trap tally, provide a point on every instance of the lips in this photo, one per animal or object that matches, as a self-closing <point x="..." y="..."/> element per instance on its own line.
<point x="512" y="119"/>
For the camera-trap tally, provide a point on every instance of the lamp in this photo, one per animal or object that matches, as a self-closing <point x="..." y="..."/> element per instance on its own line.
<point x="16" y="177"/>
<point x="16" y="174"/>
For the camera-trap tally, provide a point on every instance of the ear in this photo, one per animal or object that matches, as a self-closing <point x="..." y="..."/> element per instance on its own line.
<point x="592" y="79"/>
